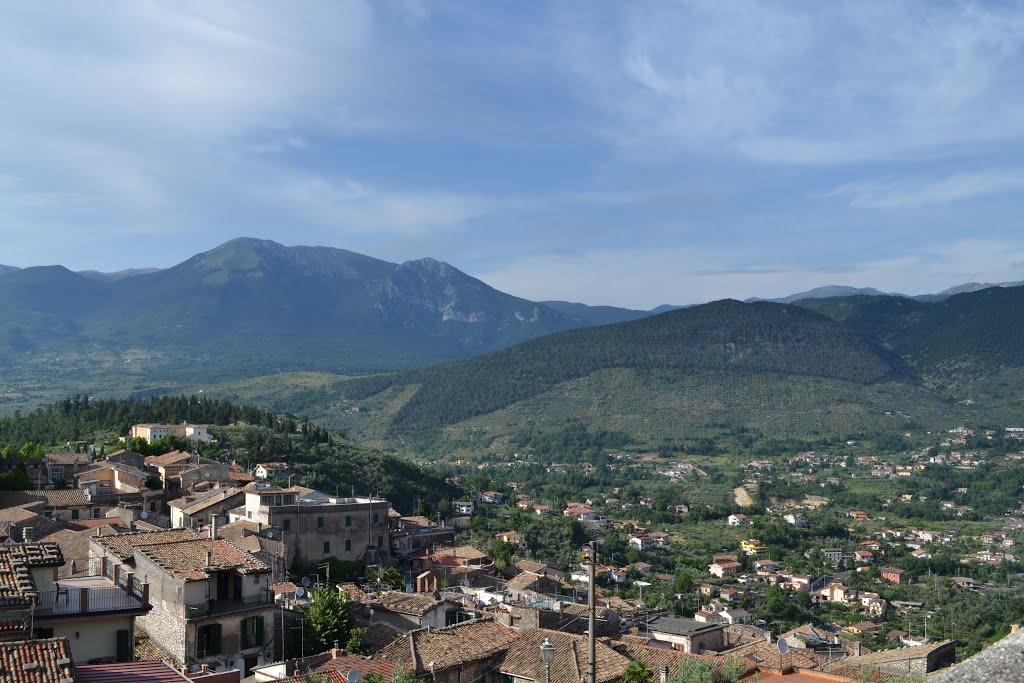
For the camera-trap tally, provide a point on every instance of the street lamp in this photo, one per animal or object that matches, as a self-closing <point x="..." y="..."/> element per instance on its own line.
<point x="547" y="653"/>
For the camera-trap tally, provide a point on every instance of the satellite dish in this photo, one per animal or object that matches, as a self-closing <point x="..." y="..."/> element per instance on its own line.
<point x="144" y="515"/>
<point x="305" y="582"/>
<point x="783" y="646"/>
<point x="352" y="676"/>
<point x="300" y="592"/>
<point x="270" y="534"/>
<point x="408" y="588"/>
<point x="206" y="474"/>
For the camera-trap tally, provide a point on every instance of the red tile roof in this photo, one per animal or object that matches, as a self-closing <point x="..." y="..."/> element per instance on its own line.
<point x="193" y="560"/>
<point x="36" y="661"/>
<point x="469" y="641"/>
<point x="16" y="586"/>
<point x="123" y="545"/>
<point x="522" y="657"/>
<point x="364" y="665"/>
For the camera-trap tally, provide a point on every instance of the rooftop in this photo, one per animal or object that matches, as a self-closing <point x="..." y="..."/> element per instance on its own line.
<point x="123" y="546"/>
<point x="680" y="627"/>
<point x="37" y="661"/>
<point x="521" y="659"/>
<point x="195" y="559"/>
<point x="17" y="589"/>
<point x="445" y="647"/>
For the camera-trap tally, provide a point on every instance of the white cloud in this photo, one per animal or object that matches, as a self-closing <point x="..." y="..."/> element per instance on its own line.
<point x="903" y="194"/>
<point x="829" y="83"/>
<point x="647" y="278"/>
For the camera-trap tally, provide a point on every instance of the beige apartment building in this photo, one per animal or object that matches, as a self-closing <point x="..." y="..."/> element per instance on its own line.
<point x="211" y="600"/>
<point x="315" y="526"/>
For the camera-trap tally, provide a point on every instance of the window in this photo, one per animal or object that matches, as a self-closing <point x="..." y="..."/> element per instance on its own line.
<point x="376" y="518"/>
<point x="327" y="547"/>
<point x="208" y="641"/>
<point x="286" y="524"/>
<point x="95" y="513"/>
<point x="74" y="514"/>
<point x="56" y="474"/>
<point x="319" y="522"/>
<point x="348" y="545"/>
<point x="152" y="506"/>
<point x="380" y="541"/>
<point x="348" y="520"/>
<point x="44" y="633"/>
<point x="252" y="632"/>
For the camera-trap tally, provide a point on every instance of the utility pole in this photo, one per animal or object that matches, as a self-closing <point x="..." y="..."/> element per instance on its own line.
<point x="592" y="614"/>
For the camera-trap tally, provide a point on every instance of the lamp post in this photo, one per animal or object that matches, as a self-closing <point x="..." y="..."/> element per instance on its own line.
<point x="547" y="653"/>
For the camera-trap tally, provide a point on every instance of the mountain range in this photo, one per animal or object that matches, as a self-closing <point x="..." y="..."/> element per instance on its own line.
<point x="284" y="325"/>
<point x="253" y="305"/>
<point x="834" y="368"/>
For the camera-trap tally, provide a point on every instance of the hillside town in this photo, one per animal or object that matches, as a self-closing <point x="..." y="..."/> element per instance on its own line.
<point x="195" y="567"/>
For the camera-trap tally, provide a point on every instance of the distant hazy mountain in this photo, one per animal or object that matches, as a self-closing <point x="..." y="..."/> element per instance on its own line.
<point x="118" y="275"/>
<point x="7" y="269"/>
<point x="825" y="292"/>
<point x="965" y="288"/>
<point x="253" y="305"/>
<point x="829" y="291"/>
<point x="596" y="315"/>
<point x="665" y="308"/>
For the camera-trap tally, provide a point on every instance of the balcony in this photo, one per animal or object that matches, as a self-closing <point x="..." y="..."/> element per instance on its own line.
<point x="217" y="607"/>
<point x="87" y="595"/>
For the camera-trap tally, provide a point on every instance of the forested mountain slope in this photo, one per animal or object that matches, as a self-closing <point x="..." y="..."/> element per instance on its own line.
<point x="724" y="335"/>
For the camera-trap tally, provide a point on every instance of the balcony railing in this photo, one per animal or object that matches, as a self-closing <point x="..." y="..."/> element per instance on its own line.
<point x="88" y="600"/>
<point x="215" y="607"/>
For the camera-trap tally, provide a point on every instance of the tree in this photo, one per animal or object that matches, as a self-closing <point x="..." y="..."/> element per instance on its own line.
<point x="694" y="670"/>
<point x="637" y="672"/>
<point x="329" y="617"/>
<point x="502" y="553"/>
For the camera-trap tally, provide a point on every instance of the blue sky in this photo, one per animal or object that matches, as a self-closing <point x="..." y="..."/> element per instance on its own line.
<point x="612" y="153"/>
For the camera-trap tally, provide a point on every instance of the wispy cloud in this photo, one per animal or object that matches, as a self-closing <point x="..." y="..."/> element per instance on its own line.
<point x="902" y="194"/>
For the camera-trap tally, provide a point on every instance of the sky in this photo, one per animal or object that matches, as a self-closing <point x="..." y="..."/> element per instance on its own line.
<point x="623" y="153"/>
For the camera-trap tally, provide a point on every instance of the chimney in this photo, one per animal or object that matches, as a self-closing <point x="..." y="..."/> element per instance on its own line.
<point x="768" y="637"/>
<point x="213" y="527"/>
<point x="856" y="649"/>
<point x="209" y="558"/>
<point x="26" y="534"/>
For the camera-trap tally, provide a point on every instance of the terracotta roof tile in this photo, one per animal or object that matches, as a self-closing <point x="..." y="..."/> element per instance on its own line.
<point x="67" y="458"/>
<point x="416" y="604"/>
<point x="36" y="661"/>
<point x="466" y="642"/>
<point x="166" y="459"/>
<point x="16" y="586"/>
<point x="364" y="665"/>
<point x="123" y="545"/>
<point x="61" y="498"/>
<point x="656" y="657"/>
<point x="115" y="522"/>
<point x="187" y="560"/>
<point x="463" y="552"/>
<point x="522" y="657"/>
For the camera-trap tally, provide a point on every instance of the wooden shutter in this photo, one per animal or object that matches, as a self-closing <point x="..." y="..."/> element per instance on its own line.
<point x="259" y="632"/>
<point x="214" y="639"/>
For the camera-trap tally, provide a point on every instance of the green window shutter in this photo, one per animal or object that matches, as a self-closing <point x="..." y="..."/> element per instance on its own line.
<point x="202" y="637"/>
<point x="245" y="633"/>
<point x="259" y="632"/>
<point x="215" y="639"/>
<point x="124" y="645"/>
